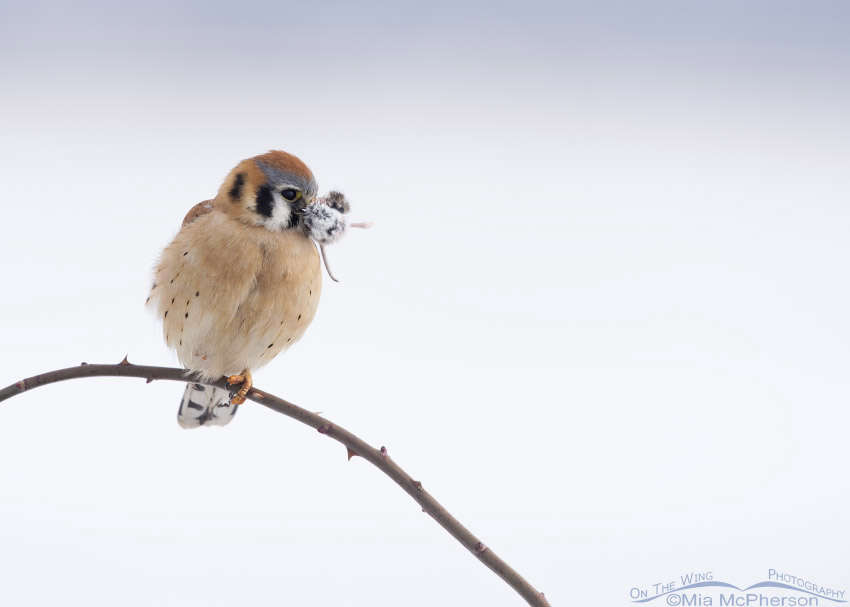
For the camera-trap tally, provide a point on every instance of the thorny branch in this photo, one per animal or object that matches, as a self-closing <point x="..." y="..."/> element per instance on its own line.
<point x="355" y="446"/>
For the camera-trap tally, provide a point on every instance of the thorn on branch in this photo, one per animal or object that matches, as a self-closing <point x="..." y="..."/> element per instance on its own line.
<point x="479" y="548"/>
<point x="350" y="453"/>
<point x="325" y="429"/>
<point x="383" y="451"/>
<point x="418" y="485"/>
<point x="83" y="364"/>
<point x="149" y="380"/>
<point x="125" y="361"/>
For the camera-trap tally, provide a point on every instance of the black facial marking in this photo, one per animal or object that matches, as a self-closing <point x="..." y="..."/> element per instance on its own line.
<point x="236" y="191"/>
<point x="265" y="202"/>
<point x="294" y="216"/>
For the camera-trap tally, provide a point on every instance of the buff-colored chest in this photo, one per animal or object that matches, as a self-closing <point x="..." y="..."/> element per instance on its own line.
<point x="233" y="296"/>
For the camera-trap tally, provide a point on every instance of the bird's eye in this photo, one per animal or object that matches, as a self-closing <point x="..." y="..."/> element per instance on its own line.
<point x="290" y="194"/>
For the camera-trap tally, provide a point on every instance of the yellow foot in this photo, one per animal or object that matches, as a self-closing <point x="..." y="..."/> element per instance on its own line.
<point x="246" y="381"/>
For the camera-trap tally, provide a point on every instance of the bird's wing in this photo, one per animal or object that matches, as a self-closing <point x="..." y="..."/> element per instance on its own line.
<point x="202" y="208"/>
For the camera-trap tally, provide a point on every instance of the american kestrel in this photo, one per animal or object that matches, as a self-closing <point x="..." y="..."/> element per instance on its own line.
<point x="240" y="282"/>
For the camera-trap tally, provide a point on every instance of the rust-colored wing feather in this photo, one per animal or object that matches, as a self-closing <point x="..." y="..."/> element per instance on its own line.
<point x="202" y="208"/>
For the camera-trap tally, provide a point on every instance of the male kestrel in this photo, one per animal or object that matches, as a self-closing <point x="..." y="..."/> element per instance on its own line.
<point x="240" y="283"/>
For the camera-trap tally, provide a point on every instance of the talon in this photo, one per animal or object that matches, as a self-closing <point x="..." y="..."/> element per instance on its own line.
<point x="246" y="381"/>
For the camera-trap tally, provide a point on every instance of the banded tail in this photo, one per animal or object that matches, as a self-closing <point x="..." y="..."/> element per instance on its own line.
<point x="205" y="406"/>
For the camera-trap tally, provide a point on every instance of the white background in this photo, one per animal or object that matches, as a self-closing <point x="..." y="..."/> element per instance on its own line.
<point x="602" y="316"/>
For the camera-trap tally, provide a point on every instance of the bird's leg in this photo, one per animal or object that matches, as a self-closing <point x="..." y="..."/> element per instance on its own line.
<point x="246" y="381"/>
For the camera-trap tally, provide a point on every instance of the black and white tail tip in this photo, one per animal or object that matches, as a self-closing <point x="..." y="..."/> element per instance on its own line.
<point x="205" y="406"/>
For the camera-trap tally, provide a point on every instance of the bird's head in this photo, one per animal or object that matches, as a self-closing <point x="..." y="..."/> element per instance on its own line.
<point x="271" y="190"/>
